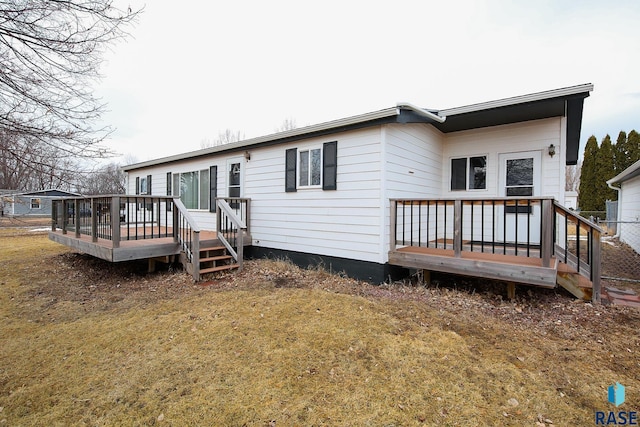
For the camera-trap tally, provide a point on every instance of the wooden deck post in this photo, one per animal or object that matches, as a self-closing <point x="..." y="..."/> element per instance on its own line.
<point x="547" y="219"/>
<point x="248" y="219"/>
<point x="595" y="265"/>
<point x="392" y="225"/>
<point x="511" y="290"/>
<point x="195" y="255"/>
<point x="457" y="228"/>
<point x="115" y="221"/>
<point x="76" y="217"/>
<point x="65" y="216"/>
<point x="94" y="220"/>
<point x="176" y="221"/>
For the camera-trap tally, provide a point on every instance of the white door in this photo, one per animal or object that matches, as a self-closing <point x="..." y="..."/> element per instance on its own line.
<point x="520" y="177"/>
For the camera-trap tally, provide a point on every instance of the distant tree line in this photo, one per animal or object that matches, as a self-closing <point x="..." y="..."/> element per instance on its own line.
<point x="602" y="162"/>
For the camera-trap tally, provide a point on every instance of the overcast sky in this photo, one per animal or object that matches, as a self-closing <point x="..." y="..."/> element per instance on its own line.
<point x="193" y="69"/>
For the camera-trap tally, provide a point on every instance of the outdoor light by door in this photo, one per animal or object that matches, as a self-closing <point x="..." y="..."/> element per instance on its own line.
<point x="552" y="150"/>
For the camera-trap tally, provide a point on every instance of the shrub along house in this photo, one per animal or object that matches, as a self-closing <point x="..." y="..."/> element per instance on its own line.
<point x="475" y="190"/>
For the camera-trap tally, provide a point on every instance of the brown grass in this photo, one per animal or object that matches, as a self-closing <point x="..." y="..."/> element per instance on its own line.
<point x="85" y="342"/>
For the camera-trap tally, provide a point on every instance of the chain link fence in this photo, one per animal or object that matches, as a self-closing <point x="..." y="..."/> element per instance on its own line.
<point x="621" y="253"/>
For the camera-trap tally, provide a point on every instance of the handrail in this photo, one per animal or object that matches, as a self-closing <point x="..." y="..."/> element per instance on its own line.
<point x="586" y="264"/>
<point x="187" y="233"/>
<point x="230" y="230"/>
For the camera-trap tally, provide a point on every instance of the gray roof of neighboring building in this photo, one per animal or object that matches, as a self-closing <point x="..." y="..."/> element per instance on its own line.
<point x="630" y="172"/>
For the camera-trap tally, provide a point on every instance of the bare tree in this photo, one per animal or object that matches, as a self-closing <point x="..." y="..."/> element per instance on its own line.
<point x="287" y="124"/>
<point x="572" y="177"/>
<point x="225" y="137"/>
<point x="108" y="179"/>
<point x="50" y="54"/>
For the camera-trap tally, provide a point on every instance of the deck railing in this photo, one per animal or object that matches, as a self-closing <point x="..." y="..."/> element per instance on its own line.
<point x="525" y="227"/>
<point x="577" y="244"/>
<point x="231" y="227"/>
<point x="187" y="233"/>
<point x="114" y="217"/>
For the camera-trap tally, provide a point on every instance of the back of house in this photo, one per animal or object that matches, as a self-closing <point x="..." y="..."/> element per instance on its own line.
<point x="328" y="193"/>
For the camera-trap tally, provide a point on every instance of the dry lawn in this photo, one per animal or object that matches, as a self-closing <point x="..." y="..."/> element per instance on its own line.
<point x="84" y="342"/>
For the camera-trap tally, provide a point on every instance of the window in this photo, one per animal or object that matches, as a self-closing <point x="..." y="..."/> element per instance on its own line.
<point x="519" y="177"/>
<point x="311" y="168"/>
<point x="35" y="203"/>
<point x="143" y="185"/>
<point x="469" y="173"/>
<point x="192" y="188"/>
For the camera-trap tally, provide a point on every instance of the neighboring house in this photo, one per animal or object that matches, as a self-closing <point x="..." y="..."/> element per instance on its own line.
<point x="33" y="203"/>
<point x="629" y="205"/>
<point x="323" y="193"/>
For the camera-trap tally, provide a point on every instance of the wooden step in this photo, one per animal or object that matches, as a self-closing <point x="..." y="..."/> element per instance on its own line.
<point x="216" y="258"/>
<point x="218" y="268"/>
<point x="575" y="283"/>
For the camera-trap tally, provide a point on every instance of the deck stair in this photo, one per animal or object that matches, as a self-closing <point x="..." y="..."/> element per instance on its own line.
<point x="574" y="282"/>
<point x="215" y="258"/>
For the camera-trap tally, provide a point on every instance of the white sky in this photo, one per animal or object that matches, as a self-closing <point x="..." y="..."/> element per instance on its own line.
<point x="193" y="69"/>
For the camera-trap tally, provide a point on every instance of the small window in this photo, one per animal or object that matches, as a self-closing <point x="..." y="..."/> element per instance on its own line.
<point x="35" y="203"/>
<point x="310" y="168"/>
<point x="469" y="173"/>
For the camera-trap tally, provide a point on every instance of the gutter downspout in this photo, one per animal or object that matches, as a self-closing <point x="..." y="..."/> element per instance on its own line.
<point x="421" y="111"/>
<point x="619" y="212"/>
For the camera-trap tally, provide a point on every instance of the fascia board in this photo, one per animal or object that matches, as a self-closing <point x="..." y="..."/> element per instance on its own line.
<point x="293" y="133"/>
<point x="539" y="96"/>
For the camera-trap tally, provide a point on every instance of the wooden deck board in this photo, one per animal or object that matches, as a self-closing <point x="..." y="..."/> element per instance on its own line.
<point x="511" y="268"/>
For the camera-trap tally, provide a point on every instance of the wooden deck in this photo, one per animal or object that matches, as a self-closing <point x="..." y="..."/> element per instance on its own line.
<point x="135" y="248"/>
<point x="510" y="268"/>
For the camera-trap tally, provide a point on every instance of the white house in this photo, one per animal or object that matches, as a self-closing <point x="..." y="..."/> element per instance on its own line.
<point x="324" y="193"/>
<point x="629" y="205"/>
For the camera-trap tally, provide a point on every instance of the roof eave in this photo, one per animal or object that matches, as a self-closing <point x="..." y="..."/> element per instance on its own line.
<point x="272" y="138"/>
<point x="627" y="174"/>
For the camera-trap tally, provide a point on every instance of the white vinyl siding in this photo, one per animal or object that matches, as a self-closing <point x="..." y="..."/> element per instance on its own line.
<point x="341" y="223"/>
<point x="535" y="135"/>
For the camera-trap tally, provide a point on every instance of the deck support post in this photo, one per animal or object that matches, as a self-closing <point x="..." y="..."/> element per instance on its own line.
<point x="457" y="228"/>
<point x="76" y="217"/>
<point x="426" y="277"/>
<point x="115" y="221"/>
<point x="546" y="247"/>
<point x="511" y="290"/>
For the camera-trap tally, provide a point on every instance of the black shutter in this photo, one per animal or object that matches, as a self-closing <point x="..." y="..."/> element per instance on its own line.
<point x="168" y="183"/>
<point x="148" y="184"/>
<point x="213" y="187"/>
<point x="330" y="165"/>
<point x="290" y="167"/>
<point x="137" y="185"/>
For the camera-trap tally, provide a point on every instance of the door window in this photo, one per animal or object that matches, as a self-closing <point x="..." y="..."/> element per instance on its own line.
<point x="234" y="179"/>
<point x="519" y="177"/>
